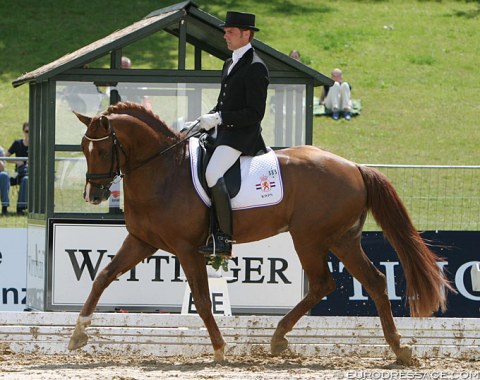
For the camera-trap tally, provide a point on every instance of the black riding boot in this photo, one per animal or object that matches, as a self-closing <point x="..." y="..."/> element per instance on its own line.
<point x="221" y="243"/>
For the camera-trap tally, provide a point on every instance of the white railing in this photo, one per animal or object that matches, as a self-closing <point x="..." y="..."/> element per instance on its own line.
<point x="438" y="197"/>
<point x="13" y="159"/>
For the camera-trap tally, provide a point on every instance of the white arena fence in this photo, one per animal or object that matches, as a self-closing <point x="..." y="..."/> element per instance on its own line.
<point x="185" y="335"/>
<point x="444" y="198"/>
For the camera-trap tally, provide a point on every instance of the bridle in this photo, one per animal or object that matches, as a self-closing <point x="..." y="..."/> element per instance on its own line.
<point x="115" y="170"/>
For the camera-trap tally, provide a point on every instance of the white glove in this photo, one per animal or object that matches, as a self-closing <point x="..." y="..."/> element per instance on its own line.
<point x="194" y="127"/>
<point x="187" y="126"/>
<point x="209" y="121"/>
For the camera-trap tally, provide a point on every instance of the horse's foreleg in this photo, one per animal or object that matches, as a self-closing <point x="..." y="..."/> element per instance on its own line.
<point x="129" y="255"/>
<point x="194" y="268"/>
<point x="360" y="267"/>
<point x="321" y="283"/>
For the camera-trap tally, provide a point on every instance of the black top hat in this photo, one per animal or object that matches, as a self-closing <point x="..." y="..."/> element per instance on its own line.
<point x="240" y="20"/>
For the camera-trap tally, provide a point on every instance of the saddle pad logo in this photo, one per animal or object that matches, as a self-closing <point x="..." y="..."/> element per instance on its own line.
<point x="265" y="185"/>
<point x="261" y="180"/>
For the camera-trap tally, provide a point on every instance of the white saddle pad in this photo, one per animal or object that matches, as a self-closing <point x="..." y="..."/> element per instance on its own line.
<point x="261" y="180"/>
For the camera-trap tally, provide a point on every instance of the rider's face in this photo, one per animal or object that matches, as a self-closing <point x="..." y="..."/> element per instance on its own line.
<point x="235" y="37"/>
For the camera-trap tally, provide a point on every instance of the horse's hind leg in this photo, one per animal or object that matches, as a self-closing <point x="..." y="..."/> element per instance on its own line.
<point x="359" y="266"/>
<point x="314" y="263"/>
<point x="129" y="255"/>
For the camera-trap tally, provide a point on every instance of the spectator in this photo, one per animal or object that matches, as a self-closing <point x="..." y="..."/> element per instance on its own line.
<point x="4" y="185"/>
<point x="20" y="149"/>
<point x="336" y="98"/>
<point x="135" y="97"/>
<point x="295" y="54"/>
<point x="126" y="63"/>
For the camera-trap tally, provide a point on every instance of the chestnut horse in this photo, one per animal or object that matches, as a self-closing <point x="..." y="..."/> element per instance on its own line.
<point x="326" y="200"/>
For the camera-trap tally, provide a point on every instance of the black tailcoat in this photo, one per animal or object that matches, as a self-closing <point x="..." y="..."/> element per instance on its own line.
<point x="242" y="102"/>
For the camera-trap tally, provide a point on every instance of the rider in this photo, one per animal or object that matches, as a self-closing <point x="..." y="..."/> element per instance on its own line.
<point x="240" y="109"/>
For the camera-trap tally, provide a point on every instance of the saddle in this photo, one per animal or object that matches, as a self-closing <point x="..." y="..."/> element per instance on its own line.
<point x="232" y="177"/>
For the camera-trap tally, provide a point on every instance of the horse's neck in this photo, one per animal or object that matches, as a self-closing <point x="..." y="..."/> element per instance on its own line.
<point x="156" y="183"/>
<point x="145" y="151"/>
<point x="139" y="142"/>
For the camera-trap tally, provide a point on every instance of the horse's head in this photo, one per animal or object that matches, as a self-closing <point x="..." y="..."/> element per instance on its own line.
<point x="101" y="149"/>
<point x="147" y="140"/>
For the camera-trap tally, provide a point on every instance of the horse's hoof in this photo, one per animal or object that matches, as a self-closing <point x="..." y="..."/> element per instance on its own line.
<point x="219" y="355"/>
<point x="278" y="345"/>
<point x="78" y="340"/>
<point x="404" y="356"/>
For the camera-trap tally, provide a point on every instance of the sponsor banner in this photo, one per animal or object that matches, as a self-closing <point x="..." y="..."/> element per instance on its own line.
<point x="460" y="253"/>
<point x="264" y="276"/>
<point x="115" y="192"/>
<point x="36" y="266"/>
<point x="13" y="248"/>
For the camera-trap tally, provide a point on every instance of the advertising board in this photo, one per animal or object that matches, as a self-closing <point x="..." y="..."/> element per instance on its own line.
<point x="264" y="276"/>
<point x="460" y="255"/>
<point x="12" y="269"/>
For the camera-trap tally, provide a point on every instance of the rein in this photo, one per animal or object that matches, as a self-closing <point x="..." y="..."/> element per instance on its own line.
<point x="192" y="132"/>
<point x="116" y="144"/>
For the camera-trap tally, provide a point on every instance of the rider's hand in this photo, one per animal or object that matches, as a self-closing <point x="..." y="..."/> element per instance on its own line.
<point x="209" y="121"/>
<point x="189" y="124"/>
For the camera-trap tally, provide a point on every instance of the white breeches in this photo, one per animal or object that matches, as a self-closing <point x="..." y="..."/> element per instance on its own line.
<point x="338" y="97"/>
<point x="222" y="159"/>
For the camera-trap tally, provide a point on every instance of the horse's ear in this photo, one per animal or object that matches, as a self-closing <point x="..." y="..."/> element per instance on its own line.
<point x="84" y="119"/>
<point x="104" y="122"/>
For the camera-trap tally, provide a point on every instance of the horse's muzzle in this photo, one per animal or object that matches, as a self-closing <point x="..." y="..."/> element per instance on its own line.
<point x="95" y="195"/>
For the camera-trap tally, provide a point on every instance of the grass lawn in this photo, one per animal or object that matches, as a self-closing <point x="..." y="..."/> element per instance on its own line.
<point x="412" y="63"/>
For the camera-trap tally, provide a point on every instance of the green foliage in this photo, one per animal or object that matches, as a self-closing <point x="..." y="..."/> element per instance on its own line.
<point x="217" y="262"/>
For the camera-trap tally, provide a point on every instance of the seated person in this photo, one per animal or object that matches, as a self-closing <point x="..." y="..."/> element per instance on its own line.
<point x="4" y="185"/>
<point x="336" y="98"/>
<point x="20" y="149"/>
<point x="295" y="54"/>
<point x="126" y="63"/>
